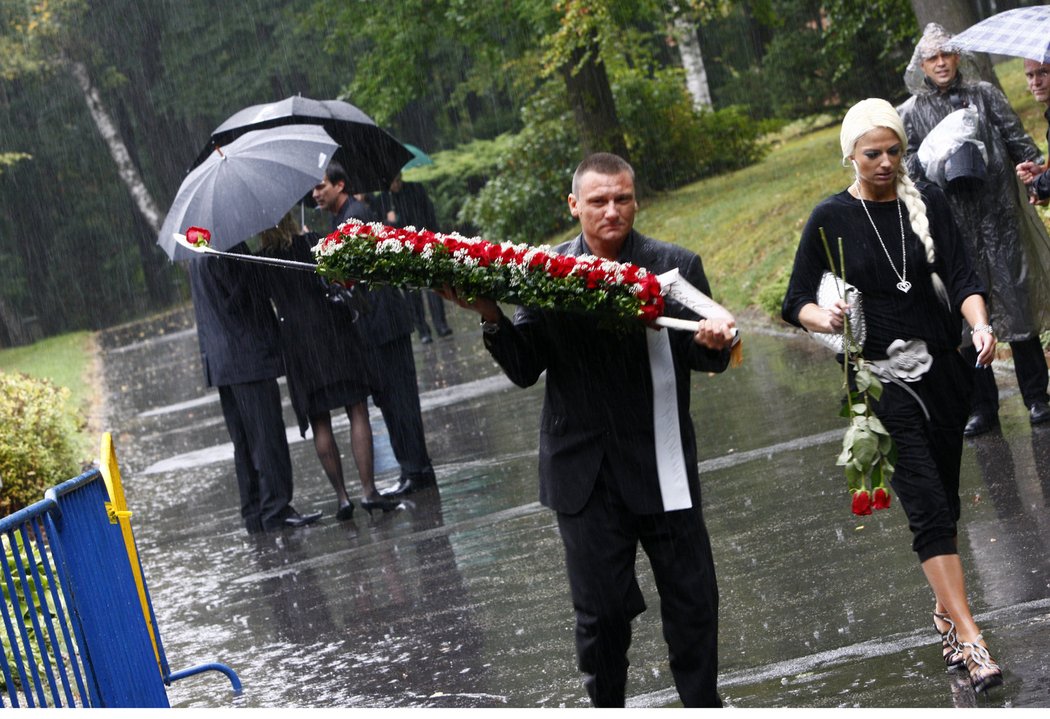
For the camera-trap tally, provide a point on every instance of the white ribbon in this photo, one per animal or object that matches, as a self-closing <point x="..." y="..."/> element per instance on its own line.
<point x="670" y="459"/>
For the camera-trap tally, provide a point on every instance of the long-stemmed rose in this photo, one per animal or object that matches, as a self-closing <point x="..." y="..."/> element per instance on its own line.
<point x="868" y="451"/>
<point x="512" y="273"/>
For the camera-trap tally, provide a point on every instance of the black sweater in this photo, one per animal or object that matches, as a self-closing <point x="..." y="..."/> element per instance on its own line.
<point x="889" y="313"/>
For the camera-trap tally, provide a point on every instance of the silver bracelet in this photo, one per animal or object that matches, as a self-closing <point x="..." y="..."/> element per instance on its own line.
<point x="982" y="328"/>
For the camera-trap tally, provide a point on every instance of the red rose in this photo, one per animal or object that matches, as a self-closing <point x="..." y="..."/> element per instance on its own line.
<point x="861" y="502"/>
<point x="880" y="499"/>
<point x="198" y="236"/>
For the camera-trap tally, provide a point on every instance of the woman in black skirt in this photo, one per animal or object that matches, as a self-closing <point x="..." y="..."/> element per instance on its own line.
<point x="917" y="283"/>
<point x="323" y="365"/>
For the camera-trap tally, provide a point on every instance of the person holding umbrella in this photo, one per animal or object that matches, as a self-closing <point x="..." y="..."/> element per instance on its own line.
<point x="386" y="328"/>
<point x="990" y="213"/>
<point x="241" y="356"/>
<point x="234" y="192"/>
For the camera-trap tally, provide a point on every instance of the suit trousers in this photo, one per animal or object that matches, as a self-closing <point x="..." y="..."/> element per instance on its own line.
<point x="1029" y="366"/>
<point x="260" y="452"/>
<point x="392" y="381"/>
<point x="437" y="311"/>
<point x="601" y="545"/>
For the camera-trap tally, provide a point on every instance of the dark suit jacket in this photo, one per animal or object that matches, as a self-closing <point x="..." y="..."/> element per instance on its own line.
<point x="598" y="404"/>
<point x="389" y="316"/>
<point x="236" y="326"/>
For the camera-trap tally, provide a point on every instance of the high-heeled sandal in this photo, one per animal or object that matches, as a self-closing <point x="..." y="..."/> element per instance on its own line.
<point x="951" y="652"/>
<point x="985" y="673"/>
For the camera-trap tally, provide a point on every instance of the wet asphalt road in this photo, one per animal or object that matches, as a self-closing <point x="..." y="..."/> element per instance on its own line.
<point x="459" y="599"/>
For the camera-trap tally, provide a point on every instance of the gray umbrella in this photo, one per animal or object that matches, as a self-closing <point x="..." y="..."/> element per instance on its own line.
<point x="247" y="186"/>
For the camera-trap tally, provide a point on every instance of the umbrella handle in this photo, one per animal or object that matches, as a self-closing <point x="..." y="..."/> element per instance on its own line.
<point x="206" y="250"/>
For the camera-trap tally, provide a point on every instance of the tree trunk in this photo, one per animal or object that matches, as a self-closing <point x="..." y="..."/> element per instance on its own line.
<point x="11" y="331"/>
<point x="106" y="127"/>
<point x="954" y="16"/>
<point x="692" y="62"/>
<point x="592" y="103"/>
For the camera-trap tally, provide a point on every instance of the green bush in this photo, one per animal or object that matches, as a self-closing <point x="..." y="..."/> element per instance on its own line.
<point x="38" y="439"/>
<point x="671" y="143"/>
<point x="525" y="201"/>
<point x="456" y="176"/>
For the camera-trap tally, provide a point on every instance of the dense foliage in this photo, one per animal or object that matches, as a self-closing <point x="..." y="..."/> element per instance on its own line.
<point x="76" y="251"/>
<point x="38" y="439"/>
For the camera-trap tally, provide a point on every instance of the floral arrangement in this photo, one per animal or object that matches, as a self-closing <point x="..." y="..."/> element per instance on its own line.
<point x="868" y="451"/>
<point x="513" y="273"/>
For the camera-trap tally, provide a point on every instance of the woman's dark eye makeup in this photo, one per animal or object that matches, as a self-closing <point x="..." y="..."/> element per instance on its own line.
<point x="892" y="152"/>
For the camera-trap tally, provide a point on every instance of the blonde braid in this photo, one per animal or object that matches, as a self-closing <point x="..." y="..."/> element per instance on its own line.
<point x="920" y="225"/>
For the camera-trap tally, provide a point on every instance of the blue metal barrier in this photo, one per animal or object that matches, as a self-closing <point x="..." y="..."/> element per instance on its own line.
<point x="75" y="630"/>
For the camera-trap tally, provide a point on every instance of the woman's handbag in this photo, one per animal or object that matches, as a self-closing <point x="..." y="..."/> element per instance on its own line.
<point x="832" y="288"/>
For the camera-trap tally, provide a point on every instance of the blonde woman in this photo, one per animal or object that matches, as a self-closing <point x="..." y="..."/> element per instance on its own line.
<point x="901" y="249"/>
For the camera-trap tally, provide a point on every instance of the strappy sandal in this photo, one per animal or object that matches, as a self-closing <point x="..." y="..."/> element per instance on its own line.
<point x="984" y="672"/>
<point x="951" y="652"/>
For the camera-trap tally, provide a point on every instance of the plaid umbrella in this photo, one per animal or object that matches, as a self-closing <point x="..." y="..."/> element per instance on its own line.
<point x="1024" y="32"/>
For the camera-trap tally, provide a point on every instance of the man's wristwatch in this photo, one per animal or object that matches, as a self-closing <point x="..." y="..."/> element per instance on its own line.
<point x="489" y="328"/>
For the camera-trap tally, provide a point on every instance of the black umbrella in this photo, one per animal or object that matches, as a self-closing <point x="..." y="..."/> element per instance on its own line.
<point x="372" y="156"/>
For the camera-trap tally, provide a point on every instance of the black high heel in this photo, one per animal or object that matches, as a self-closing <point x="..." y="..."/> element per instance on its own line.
<point x="985" y="673"/>
<point x="345" y="512"/>
<point x="951" y="652"/>
<point x="384" y="503"/>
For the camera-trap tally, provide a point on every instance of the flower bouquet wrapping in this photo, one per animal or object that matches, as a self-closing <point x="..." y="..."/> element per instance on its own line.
<point x="868" y="451"/>
<point x="512" y="273"/>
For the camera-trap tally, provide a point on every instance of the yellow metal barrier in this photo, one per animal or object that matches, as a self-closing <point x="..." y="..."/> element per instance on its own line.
<point x="117" y="509"/>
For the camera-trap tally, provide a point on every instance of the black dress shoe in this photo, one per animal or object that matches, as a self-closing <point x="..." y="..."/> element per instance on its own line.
<point x="979" y="423"/>
<point x="345" y="512"/>
<point x="444" y="332"/>
<point x="1039" y="412"/>
<point x="412" y="483"/>
<point x="301" y="520"/>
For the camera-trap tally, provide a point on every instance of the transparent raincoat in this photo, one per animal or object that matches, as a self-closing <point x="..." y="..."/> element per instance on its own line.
<point x="1007" y="239"/>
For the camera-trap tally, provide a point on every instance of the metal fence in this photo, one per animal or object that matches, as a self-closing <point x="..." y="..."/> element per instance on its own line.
<point x="78" y="622"/>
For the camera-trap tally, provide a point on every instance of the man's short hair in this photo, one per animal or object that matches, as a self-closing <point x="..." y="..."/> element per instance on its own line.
<point x="604" y="163"/>
<point x="336" y="173"/>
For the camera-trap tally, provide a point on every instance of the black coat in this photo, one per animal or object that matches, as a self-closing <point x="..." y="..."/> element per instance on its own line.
<point x="411" y="205"/>
<point x="598" y="403"/>
<point x="389" y="316"/>
<point x="236" y="326"/>
<point x="320" y="341"/>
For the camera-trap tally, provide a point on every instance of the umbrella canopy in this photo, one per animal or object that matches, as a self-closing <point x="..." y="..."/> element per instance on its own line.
<point x="372" y="156"/>
<point x="244" y="187"/>
<point x="1023" y="32"/>
<point x="419" y="158"/>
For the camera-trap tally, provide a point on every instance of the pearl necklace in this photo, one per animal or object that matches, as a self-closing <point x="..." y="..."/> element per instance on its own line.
<point x="903" y="285"/>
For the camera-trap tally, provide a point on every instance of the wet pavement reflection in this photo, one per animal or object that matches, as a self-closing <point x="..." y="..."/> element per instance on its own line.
<point x="459" y="598"/>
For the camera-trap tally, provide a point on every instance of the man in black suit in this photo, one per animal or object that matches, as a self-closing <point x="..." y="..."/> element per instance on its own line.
<point x="239" y="349"/>
<point x="610" y="393"/>
<point x="386" y="330"/>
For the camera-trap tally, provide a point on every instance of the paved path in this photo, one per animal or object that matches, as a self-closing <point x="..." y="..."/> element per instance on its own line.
<point x="460" y="600"/>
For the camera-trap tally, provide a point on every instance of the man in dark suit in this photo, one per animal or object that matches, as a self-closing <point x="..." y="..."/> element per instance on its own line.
<point x="611" y="394"/>
<point x="239" y="348"/>
<point x="386" y="330"/>
<point x="404" y="204"/>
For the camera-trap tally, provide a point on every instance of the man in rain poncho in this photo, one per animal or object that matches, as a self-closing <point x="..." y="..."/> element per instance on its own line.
<point x="1007" y="241"/>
